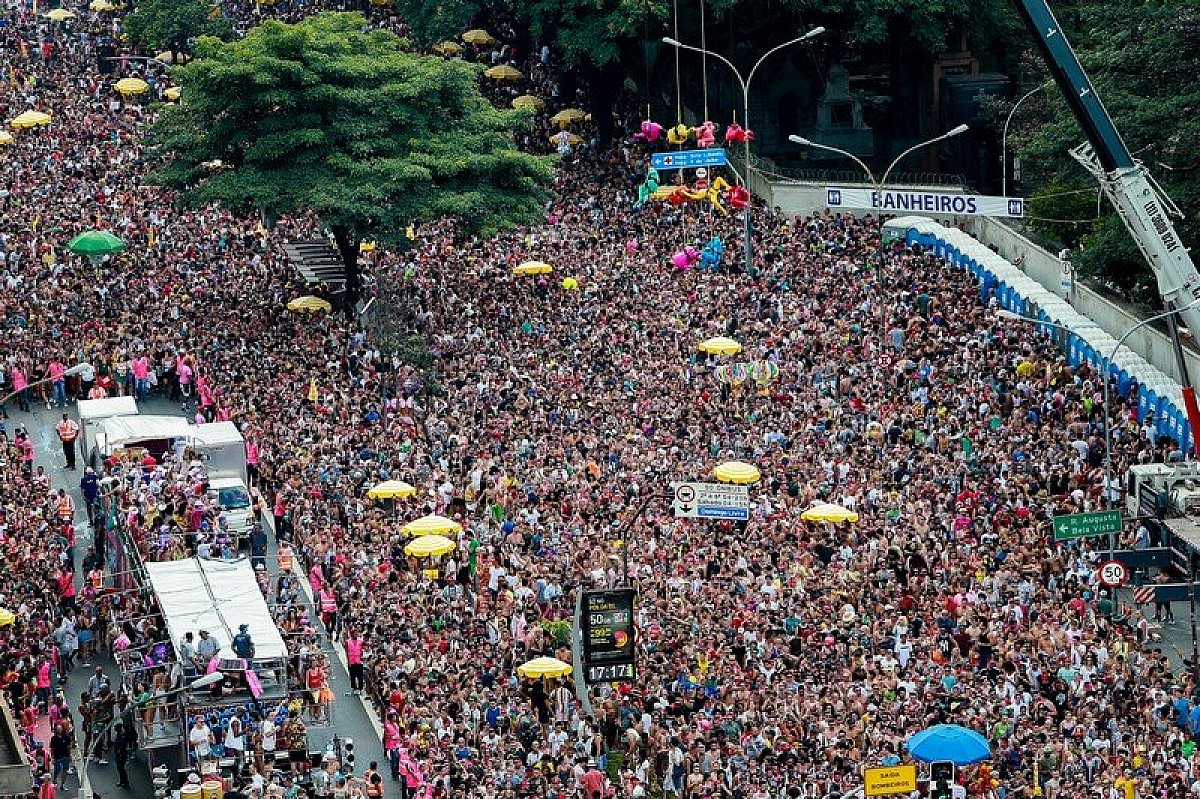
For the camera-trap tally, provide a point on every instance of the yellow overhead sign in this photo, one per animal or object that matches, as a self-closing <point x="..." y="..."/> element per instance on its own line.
<point x="887" y="780"/>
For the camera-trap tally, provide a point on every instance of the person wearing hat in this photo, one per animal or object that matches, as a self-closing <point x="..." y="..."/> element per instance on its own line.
<point x="242" y="645"/>
<point x="206" y="649"/>
<point x="592" y="783"/>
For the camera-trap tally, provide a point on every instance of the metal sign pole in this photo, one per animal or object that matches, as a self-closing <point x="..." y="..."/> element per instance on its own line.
<point x="581" y="689"/>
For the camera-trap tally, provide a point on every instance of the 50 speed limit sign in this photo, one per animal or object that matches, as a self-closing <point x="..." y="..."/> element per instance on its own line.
<point x="1113" y="574"/>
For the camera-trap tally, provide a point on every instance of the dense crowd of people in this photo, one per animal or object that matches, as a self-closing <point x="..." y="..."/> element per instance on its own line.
<point x="776" y="658"/>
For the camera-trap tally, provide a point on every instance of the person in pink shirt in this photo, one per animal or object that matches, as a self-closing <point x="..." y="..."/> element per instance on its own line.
<point x="207" y="398"/>
<point x="20" y="385"/>
<point x="56" y="373"/>
<point x="184" y="374"/>
<point x="43" y="685"/>
<point x="252" y="460"/>
<point x="354" y="659"/>
<point x="141" y="377"/>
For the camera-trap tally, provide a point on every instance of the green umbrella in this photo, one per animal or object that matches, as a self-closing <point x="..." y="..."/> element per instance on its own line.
<point x="95" y="244"/>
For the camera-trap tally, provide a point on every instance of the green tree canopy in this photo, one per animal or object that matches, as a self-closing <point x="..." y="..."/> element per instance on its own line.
<point x="328" y="116"/>
<point x="1143" y="59"/>
<point x="601" y="32"/>
<point x="173" y="24"/>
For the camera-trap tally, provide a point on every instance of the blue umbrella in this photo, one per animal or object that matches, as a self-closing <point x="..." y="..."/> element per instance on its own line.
<point x="959" y="745"/>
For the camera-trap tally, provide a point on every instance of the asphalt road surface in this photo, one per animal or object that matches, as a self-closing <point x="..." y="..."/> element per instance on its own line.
<point x="349" y="718"/>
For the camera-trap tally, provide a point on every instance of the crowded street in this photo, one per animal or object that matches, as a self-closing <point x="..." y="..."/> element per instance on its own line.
<point x="776" y="657"/>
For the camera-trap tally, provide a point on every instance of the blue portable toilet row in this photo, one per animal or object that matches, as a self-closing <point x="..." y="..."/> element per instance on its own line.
<point x="1158" y="396"/>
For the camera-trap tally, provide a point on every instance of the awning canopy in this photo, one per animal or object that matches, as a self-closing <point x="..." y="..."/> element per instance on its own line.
<point x="217" y="596"/>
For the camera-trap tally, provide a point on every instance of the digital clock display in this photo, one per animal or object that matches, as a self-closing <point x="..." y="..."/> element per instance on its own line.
<point x="614" y="672"/>
<point x="608" y="635"/>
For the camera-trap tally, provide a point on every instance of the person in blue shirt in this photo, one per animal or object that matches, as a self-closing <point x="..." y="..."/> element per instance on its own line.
<point x="1182" y="709"/>
<point x="89" y="486"/>
<point x="1194" y="720"/>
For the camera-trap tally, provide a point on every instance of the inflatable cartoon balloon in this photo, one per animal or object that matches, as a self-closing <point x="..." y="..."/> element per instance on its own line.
<point x="713" y="194"/>
<point x="710" y="257"/>
<point x="736" y="133"/>
<point x="570" y="283"/>
<point x="686" y="258"/>
<point x="739" y="197"/>
<point x="650" y="132"/>
<point x="763" y="372"/>
<point x="706" y="135"/>
<point x="648" y="187"/>
<point x="679" y="134"/>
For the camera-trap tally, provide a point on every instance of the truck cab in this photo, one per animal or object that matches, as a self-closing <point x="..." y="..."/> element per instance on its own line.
<point x="233" y="498"/>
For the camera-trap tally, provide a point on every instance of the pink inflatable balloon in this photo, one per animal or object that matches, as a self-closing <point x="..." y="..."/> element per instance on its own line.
<point x="680" y="259"/>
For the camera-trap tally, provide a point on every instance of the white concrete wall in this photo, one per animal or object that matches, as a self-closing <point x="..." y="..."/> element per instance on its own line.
<point x="796" y="198"/>
<point x="1043" y="266"/>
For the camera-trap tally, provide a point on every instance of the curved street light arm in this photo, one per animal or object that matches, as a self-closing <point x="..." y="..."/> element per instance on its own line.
<point x="749" y="78"/>
<point x="702" y="51"/>
<point x="803" y="142"/>
<point x="948" y="134"/>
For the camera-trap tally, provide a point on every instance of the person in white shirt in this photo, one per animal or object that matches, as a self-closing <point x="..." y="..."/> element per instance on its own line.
<point x="201" y="739"/>
<point x="268" y="732"/>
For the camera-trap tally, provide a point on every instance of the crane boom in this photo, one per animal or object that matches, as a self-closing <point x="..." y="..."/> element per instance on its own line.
<point x="1145" y="210"/>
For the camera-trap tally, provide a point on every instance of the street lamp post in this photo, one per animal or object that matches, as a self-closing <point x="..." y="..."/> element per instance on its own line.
<point x="745" y="84"/>
<point x="1004" y="136"/>
<point x="1002" y="314"/>
<point x="85" y="784"/>
<point x="1108" y="360"/>
<point x="878" y="185"/>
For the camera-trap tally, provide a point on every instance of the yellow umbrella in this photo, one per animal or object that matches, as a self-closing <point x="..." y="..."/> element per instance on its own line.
<point x="432" y="525"/>
<point x="533" y="268"/>
<point x="367" y="246"/>
<point x="570" y="283"/>
<point x="571" y="137"/>
<point x="309" y="303"/>
<point x="131" y="86"/>
<point x="720" y="345"/>
<point x="59" y="15"/>
<point x="392" y="489"/>
<point x="527" y="102"/>
<point x="567" y="116"/>
<point x="503" y="72"/>
<point x="172" y="93"/>
<point x="31" y="119"/>
<point x="544" y="667"/>
<point x="5" y="137"/>
<point x="429" y="546"/>
<point x="478" y="36"/>
<point x="737" y="473"/>
<point x="829" y="513"/>
<point x="448" y="48"/>
<point x="101" y="5"/>
<point x="7" y="617"/>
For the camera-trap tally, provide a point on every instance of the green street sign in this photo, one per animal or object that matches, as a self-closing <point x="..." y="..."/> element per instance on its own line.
<point x="1083" y="525"/>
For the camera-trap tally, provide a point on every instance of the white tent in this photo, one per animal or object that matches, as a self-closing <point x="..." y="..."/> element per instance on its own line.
<point x="217" y="596"/>
<point x="121" y="430"/>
